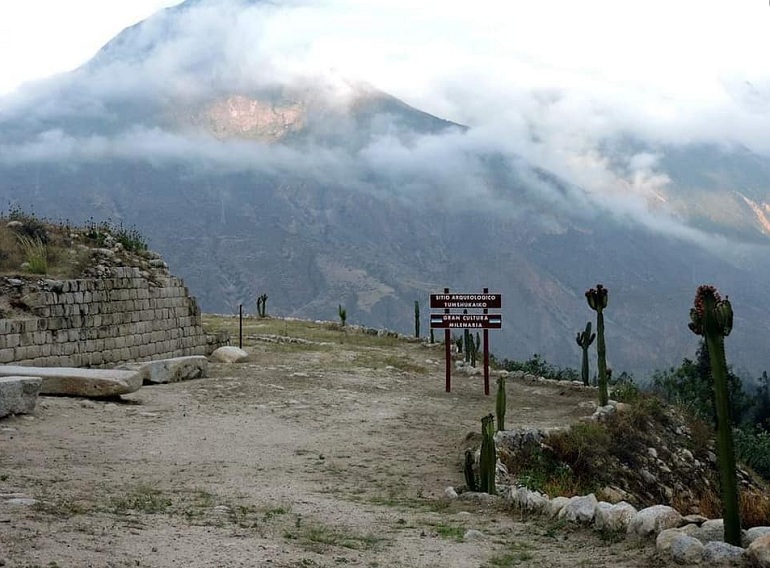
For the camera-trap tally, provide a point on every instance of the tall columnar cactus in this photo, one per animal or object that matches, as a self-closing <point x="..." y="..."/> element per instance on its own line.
<point x="417" y="319"/>
<point x="470" y="475"/>
<point x="488" y="460"/>
<point x="343" y="313"/>
<point x="712" y="318"/>
<point x="473" y="349"/>
<point x="468" y="347"/>
<point x="432" y="337"/>
<point x="500" y="406"/>
<point x="597" y="301"/>
<point x="262" y="305"/>
<point x="584" y="340"/>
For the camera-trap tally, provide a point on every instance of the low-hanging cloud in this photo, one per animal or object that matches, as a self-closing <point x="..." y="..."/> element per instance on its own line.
<point x="531" y="107"/>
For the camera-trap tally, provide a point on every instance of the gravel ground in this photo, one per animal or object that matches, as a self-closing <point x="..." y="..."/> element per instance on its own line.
<point x="332" y="452"/>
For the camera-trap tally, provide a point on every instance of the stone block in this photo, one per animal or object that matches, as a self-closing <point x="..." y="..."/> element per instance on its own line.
<point x="171" y="370"/>
<point x="93" y="383"/>
<point x="18" y="394"/>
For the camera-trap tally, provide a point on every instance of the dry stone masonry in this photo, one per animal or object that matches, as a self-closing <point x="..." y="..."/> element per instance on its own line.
<point x="123" y="316"/>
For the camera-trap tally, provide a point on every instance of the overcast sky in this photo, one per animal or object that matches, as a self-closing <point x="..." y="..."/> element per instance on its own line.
<point x="551" y="81"/>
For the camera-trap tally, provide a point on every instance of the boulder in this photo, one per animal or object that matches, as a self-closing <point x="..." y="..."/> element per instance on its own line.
<point x="528" y="500"/>
<point x="611" y="493"/>
<point x="723" y="554"/>
<point x="18" y="395"/>
<point x="229" y="354"/>
<point x="653" y="520"/>
<point x="613" y="517"/>
<point x="759" y="552"/>
<point x="686" y="550"/>
<point x="171" y="370"/>
<point x="555" y="505"/>
<point x="711" y="531"/>
<point x="753" y="534"/>
<point x="665" y="539"/>
<point x="89" y="383"/>
<point x="579" y="509"/>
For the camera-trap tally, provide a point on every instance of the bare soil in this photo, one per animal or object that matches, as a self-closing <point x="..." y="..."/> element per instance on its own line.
<point x="328" y="453"/>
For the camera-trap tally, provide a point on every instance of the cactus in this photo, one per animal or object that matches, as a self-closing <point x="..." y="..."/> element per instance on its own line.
<point x="468" y="348"/>
<point x="343" y="313"/>
<point x="432" y="338"/>
<point x="417" y="319"/>
<point x="470" y="476"/>
<point x="262" y="306"/>
<point x="500" y="406"/>
<point x="584" y="340"/>
<point x="488" y="460"/>
<point x="459" y="343"/>
<point x="712" y="318"/>
<point x="473" y="349"/>
<point x="597" y="301"/>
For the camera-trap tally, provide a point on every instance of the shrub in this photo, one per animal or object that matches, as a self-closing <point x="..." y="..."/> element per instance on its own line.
<point x="752" y="447"/>
<point x="130" y="237"/>
<point x="35" y="254"/>
<point x="31" y="227"/>
<point x="538" y="366"/>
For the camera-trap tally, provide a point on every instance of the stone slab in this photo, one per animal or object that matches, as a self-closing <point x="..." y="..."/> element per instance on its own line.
<point x="171" y="370"/>
<point x="18" y="395"/>
<point x="89" y="383"/>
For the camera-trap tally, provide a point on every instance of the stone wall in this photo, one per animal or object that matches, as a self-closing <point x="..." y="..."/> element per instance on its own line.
<point x="123" y="316"/>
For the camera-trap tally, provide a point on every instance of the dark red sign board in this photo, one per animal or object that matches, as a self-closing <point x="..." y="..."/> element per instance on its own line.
<point x="459" y="301"/>
<point x="466" y="321"/>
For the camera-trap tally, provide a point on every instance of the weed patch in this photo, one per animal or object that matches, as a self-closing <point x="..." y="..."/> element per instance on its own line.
<point x="319" y="538"/>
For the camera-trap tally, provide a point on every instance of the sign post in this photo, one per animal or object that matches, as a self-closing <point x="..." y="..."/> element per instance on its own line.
<point x="447" y="349"/>
<point x="448" y="320"/>
<point x="486" y="352"/>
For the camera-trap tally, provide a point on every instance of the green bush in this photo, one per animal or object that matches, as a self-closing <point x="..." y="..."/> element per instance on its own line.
<point x="130" y="237"/>
<point x="752" y="447"/>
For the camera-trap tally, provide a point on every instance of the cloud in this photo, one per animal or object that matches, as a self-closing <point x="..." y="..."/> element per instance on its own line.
<point x="543" y="86"/>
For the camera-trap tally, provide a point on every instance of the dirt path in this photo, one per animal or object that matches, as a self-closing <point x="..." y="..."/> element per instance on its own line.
<point x="334" y="452"/>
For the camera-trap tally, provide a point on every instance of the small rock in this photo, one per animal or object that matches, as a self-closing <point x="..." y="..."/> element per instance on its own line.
<point x="450" y="493"/>
<point x="21" y="501"/>
<point x="471" y="535"/>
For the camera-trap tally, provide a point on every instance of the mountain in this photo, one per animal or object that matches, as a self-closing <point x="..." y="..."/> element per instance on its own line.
<point x="321" y="191"/>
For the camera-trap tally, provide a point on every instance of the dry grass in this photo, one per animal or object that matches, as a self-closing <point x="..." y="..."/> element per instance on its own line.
<point x="755" y="509"/>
